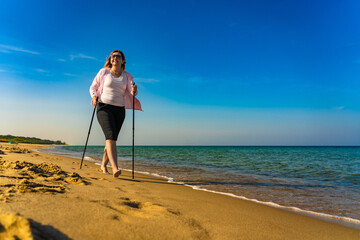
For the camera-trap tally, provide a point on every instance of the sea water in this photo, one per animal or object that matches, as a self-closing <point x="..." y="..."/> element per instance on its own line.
<point x="318" y="179"/>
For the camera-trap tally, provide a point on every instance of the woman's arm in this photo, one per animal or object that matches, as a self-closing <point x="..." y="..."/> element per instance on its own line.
<point x="95" y="87"/>
<point x="96" y="83"/>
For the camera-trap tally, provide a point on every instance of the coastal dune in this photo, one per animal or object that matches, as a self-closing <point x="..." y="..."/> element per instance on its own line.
<point x="45" y="196"/>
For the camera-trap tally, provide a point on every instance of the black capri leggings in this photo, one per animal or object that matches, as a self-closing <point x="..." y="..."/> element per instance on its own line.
<point x="110" y="118"/>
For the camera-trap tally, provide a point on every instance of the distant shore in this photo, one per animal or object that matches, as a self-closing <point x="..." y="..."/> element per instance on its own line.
<point x="49" y="195"/>
<point x="31" y="140"/>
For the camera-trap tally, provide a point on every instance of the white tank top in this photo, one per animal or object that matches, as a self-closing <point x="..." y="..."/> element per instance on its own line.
<point x="114" y="89"/>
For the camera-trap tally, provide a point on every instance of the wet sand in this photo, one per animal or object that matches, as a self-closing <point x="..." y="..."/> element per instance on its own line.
<point x="47" y="196"/>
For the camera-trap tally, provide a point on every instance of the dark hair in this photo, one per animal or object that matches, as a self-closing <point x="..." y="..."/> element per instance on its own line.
<point x="108" y="61"/>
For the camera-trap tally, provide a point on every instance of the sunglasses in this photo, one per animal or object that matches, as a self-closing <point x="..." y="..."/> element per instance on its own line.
<point x="116" y="56"/>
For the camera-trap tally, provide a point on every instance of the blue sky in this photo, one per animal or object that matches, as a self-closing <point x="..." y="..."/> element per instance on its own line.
<point x="209" y="72"/>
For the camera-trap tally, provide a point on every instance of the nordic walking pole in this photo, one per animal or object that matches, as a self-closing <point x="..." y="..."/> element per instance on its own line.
<point x="133" y="136"/>
<point x="92" y="118"/>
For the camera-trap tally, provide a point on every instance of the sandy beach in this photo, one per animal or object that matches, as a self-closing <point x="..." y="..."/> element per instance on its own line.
<point x="45" y="196"/>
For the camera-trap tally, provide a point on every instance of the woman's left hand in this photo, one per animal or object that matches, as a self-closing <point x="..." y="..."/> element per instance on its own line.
<point x="134" y="90"/>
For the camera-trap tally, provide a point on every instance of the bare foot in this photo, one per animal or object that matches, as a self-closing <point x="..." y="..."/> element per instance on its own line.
<point x="104" y="170"/>
<point x="117" y="173"/>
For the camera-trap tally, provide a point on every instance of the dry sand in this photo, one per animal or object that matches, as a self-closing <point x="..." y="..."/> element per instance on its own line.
<point x="43" y="196"/>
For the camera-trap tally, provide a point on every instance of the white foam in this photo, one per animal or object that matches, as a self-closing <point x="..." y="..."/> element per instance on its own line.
<point x="90" y="159"/>
<point x="350" y="222"/>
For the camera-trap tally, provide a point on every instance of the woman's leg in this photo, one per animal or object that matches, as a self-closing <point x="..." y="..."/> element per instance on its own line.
<point x="112" y="156"/>
<point x="108" y="117"/>
<point x="105" y="162"/>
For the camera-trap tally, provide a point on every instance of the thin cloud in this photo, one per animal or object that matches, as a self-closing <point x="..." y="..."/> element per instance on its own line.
<point x="41" y="70"/>
<point x="146" y="80"/>
<point x="197" y="80"/>
<point x="2" y="70"/>
<point x="70" y="75"/>
<point x="80" y="55"/>
<point x="9" y="49"/>
<point x="339" y="108"/>
<point x="61" y="60"/>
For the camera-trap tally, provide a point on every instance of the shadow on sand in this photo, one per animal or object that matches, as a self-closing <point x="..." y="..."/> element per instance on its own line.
<point x="45" y="232"/>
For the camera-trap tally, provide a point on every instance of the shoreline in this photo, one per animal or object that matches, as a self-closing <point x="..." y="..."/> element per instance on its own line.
<point x="152" y="208"/>
<point x="342" y="220"/>
<point x="345" y="221"/>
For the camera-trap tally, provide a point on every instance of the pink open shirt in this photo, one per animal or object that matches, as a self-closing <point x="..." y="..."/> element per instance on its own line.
<point x="96" y="88"/>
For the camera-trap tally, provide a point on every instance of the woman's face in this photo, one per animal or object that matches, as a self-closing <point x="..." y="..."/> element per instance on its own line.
<point x="116" y="59"/>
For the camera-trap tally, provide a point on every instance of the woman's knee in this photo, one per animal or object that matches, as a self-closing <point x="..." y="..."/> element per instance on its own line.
<point x="110" y="141"/>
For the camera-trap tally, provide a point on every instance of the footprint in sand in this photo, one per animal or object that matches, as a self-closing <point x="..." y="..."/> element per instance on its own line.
<point x="120" y="189"/>
<point x="114" y="217"/>
<point x="150" y="210"/>
<point x="24" y="177"/>
<point x="134" y="208"/>
<point x="198" y="231"/>
<point x="127" y="207"/>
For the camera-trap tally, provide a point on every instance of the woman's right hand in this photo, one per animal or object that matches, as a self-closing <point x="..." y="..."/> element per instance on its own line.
<point x="94" y="101"/>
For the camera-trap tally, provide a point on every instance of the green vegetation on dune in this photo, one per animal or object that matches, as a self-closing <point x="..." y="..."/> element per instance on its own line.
<point x="33" y="140"/>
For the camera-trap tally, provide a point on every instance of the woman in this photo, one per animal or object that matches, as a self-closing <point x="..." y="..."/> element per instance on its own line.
<point x="112" y="91"/>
